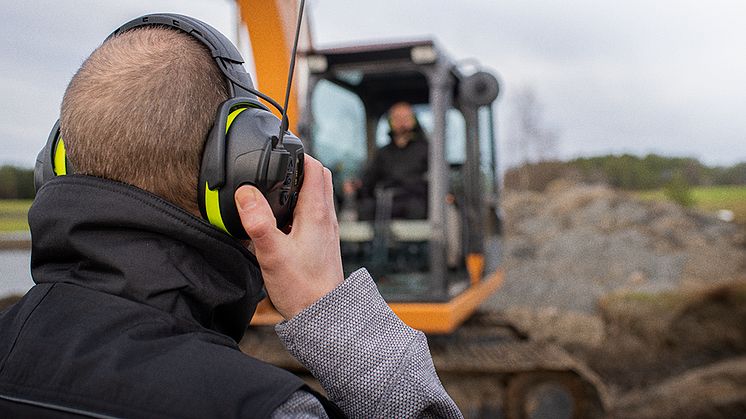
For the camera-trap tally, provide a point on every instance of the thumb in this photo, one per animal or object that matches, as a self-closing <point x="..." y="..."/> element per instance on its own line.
<point x="257" y="219"/>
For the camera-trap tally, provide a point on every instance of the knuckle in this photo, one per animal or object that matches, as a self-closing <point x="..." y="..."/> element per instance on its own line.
<point x="258" y="229"/>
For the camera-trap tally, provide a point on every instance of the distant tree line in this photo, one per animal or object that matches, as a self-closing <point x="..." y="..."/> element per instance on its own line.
<point x="625" y="172"/>
<point x="16" y="183"/>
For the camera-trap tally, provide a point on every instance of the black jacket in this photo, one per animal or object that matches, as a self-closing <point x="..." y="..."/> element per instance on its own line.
<point x="136" y="312"/>
<point x="403" y="169"/>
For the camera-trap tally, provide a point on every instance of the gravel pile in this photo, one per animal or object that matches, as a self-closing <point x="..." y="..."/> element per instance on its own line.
<point x="573" y="244"/>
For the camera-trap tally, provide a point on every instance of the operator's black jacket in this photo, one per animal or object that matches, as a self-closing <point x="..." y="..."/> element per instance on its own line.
<point x="403" y="169"/>
<point x="136" y="312"/>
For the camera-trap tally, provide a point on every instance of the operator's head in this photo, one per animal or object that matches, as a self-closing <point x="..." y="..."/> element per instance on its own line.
<point x="139" y="109"/>
<point x="401" y="118"/>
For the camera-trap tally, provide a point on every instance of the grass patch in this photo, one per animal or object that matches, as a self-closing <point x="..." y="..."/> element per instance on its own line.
<point x="710" y="199"/>
<point x="13" y="215"/>
<point x="648" y="302"/>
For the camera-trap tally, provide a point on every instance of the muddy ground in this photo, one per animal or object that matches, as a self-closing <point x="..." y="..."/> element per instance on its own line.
<point x="650" y="295"/>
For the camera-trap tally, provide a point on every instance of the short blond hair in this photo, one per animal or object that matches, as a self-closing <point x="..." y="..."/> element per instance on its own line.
<point x="139" y="109"/>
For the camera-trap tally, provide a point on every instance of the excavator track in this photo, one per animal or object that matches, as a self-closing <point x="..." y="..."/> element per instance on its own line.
<point x="489" y="368"/>
<point x="492" y="369"/>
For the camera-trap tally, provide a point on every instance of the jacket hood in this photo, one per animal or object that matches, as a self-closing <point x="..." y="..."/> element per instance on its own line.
<point x="121" y="240"/>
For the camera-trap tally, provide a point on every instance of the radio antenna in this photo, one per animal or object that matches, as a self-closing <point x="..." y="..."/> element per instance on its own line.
<point x="284" y="121"/>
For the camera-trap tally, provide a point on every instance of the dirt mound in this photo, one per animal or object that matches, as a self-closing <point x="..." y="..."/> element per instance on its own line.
<point x="665" y="354"/>
<point x="572" y="330"/>
<point x="715" y="391"/>
<point x="573" y="244"/>
<point x="650" y="295"/>
<point x="649" y="337"/>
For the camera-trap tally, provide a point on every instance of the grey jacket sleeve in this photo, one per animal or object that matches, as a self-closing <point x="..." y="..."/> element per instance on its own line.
<point x="369" y="362"/>
<point x="300" y="405"/>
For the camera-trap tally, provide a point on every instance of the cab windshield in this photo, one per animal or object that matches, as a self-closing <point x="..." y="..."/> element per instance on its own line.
<point x="345" y="139"/>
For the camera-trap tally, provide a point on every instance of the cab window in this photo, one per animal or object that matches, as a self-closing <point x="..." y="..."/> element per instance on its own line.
<point x="338" y="129"/>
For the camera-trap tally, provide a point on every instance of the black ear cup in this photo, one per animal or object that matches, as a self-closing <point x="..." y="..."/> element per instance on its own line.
<point x="242" y="149"/>
<point x="52" y="159"/>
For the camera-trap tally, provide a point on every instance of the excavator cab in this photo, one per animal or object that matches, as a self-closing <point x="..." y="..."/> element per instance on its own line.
<point x="418" y="263"/>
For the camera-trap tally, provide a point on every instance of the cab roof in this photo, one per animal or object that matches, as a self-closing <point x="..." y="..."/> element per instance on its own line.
<point x="383" y="73"/>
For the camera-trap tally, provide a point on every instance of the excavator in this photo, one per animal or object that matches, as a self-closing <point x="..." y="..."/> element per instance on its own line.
<point x="434" y="273"/>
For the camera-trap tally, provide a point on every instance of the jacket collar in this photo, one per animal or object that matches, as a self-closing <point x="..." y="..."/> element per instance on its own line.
<point x="121" y="240"/>
<point x="417" y="135"/>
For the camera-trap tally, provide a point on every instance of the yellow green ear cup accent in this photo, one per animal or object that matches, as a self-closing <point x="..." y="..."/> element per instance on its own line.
<point x="231" y="117"/>
<point x="59" y="167"/>
<point x="212" y="206"/>
<point x="212" y="197"/>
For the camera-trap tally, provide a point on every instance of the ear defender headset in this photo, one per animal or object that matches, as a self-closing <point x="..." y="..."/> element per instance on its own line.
<point x="243" y="146"/>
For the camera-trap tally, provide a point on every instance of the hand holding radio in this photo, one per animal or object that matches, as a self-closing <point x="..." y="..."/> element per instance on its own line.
<point x="315" y="268"/>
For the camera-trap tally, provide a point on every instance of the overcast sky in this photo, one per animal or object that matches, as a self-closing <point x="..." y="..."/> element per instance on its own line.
<point x="634" y="76"/>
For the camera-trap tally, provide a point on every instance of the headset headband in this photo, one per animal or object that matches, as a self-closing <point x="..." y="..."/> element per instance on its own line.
<point x="226" y="55"/>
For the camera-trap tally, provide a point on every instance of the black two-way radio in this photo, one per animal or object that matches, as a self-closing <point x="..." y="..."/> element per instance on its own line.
<point x="243" y="145"/>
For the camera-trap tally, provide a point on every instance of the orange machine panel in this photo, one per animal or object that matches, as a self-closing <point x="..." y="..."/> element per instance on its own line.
<point x="433" y="318"/>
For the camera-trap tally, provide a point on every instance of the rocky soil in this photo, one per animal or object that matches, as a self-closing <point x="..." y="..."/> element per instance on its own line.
<point x="573" y="244"/>
<point x="650" y="295"/>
